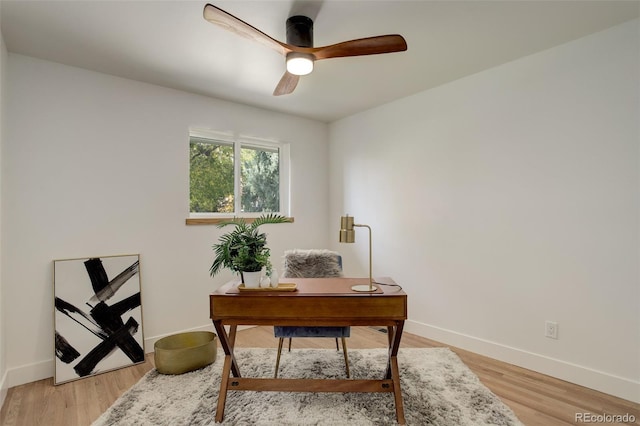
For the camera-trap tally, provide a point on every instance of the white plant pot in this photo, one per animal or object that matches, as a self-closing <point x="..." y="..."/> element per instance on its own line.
<point x="252" y="279"/>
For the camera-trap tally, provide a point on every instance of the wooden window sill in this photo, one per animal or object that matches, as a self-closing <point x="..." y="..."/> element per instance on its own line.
<point x="217" y="220"/>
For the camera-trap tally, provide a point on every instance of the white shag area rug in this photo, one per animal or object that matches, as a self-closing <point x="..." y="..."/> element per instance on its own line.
<point x="437" y="389"/>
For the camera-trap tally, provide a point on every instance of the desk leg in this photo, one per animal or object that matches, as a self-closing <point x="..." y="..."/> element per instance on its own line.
<point x="391" y="332"/>
<point x="224" y="382"/>
<point x="393" y="372"/>
<point x="227" y="342"/>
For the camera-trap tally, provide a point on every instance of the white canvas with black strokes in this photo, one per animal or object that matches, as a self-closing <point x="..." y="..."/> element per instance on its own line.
<point x="98" y="315"/>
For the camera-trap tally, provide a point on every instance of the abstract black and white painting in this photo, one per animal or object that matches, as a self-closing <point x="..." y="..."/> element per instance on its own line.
<point x="98" y="315"/>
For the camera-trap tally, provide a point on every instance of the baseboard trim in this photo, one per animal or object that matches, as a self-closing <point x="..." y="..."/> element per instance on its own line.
<point x="598" y="380"/>
<point x="29" y="373"/>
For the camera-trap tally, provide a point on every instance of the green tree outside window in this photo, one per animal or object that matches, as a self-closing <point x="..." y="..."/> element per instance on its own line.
<point x="211" y="177"/>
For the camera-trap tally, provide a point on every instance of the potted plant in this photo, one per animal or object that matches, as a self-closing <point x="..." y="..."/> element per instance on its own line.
<point x="244" y="249"/>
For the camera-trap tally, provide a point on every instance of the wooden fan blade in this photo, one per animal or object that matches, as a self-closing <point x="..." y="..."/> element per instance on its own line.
<point x="287" y="84"/>
<point x="363" y="46"/>
<point x="229" y="22"/>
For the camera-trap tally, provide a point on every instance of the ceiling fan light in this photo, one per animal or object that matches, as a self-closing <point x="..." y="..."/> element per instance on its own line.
<point x="299" y="63"/>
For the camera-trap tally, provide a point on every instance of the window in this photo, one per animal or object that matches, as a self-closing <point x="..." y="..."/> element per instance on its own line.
<point x="236" y="176"/>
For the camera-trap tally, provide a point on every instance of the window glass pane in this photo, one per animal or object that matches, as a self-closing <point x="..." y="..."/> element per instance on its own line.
<point x="211" y="176"/>
<point x="259" y="178"/>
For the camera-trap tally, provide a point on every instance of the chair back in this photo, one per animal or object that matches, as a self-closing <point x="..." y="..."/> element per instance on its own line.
<point x="312" y="263"/>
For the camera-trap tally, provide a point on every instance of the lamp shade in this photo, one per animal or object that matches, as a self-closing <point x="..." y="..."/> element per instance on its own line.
<point x="347" y="233"/>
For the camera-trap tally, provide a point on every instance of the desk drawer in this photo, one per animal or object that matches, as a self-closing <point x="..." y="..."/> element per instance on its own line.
<point x="317" y="310"/>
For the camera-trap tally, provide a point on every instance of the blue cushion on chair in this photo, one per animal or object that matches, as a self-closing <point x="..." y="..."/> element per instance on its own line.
<point x="295" y="331"/>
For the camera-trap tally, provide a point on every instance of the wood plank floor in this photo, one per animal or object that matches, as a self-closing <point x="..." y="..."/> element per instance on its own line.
<point x="535" y="398"/>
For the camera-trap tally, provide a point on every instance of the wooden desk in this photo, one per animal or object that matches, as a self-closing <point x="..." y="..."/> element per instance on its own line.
<point x="317" y="301"/>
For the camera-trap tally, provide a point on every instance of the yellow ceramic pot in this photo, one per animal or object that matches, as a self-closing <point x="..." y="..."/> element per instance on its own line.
<point x="183" y="352"/>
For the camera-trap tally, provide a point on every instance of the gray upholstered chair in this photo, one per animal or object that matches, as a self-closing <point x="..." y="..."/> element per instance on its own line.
<point x="314" y="263"/>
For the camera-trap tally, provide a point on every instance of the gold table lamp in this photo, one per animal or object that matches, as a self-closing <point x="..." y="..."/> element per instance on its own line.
<point x="348" y="235"/>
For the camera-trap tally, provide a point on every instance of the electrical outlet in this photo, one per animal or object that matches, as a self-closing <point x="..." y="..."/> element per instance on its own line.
<point x="551" y="329"/>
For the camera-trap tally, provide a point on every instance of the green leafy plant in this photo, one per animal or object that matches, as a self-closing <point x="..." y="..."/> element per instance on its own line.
<point x="244" y="249"/>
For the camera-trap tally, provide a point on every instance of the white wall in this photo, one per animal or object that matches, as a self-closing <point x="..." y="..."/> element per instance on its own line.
<point x="3" y="368"/>
<point x="508" y="198"/>
<point x="96" y="165"/>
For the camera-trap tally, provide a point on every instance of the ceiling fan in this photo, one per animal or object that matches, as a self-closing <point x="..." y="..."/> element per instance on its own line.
<point x="298" y="50"/>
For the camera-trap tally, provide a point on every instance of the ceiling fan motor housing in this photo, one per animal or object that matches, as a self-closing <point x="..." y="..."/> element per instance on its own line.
<point x="300" y="31"/>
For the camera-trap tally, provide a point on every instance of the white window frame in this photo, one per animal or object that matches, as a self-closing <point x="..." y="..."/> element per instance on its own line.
<point x="238" y="141"/>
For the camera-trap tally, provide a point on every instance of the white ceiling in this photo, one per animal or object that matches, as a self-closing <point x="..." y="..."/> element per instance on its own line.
<point x="168" y="43"/>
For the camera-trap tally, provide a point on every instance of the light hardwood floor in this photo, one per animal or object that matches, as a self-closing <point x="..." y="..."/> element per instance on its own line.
<point x="535" y="398"/>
